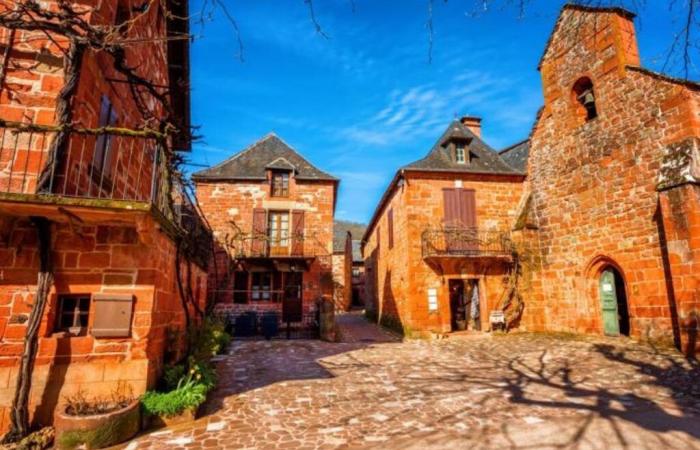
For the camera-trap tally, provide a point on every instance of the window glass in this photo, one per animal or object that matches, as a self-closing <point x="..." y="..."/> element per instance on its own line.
<point x="280" y="184"/>
<point x="460" y="154"/>
<point x="262" y="285"/>
<point x="73" y="311"/>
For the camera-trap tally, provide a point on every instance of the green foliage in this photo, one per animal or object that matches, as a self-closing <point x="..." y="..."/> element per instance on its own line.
<point x="172" y="376"/>
<point x="188" y="383"/>
<point x="189" y="394"/>
<point x="208" y="339"/>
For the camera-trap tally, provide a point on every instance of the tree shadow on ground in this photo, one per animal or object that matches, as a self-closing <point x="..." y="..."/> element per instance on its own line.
<point x="584" y="411"/>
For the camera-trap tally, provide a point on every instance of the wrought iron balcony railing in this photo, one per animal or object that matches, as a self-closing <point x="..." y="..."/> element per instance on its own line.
<point x="465" y="242"/>
<point x="100" y="165"/>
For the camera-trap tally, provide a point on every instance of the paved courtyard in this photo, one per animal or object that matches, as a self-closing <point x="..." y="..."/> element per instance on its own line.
<point x="515" y="391"/>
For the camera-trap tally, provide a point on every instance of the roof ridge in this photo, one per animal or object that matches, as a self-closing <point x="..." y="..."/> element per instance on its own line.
<point x="512" y="146"/>
<point x="303" y="158"/>
<point x="237" y="155"/>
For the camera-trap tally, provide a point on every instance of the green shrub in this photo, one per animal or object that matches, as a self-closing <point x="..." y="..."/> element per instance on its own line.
<point x="188" y="395"/>
<point x="172" y="376"/>
<point x="208" y="339"/>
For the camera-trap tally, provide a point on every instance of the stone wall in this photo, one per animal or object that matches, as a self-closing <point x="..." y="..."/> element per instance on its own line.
<point x="94" y="259"/>
<point x="398" y="279"/>
<point x="228" y="207"/>
<point x="594" y="181"/>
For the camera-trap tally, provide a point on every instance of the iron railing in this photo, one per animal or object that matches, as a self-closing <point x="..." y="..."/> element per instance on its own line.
<point x="93" y="165"/>
<point x="104" y="164"/>
<point x="305" y="244"/>
<point x="465" y="242"/>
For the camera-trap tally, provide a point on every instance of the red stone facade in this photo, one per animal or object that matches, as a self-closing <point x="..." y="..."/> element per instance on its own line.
<point x="595" y="183"/>
<point x="113" y="236"/>
<point x="402" y="277"/>
<point x="342" y="275"/>
<point x="613" y="186"/>
<point x="249" y="275"/>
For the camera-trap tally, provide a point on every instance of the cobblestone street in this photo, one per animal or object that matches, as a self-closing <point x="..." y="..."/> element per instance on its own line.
<point x="515" y="391"/>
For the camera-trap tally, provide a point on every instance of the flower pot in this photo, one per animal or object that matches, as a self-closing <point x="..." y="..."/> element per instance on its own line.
<point x="98" y="430"/>
<point x="158" y="421"/>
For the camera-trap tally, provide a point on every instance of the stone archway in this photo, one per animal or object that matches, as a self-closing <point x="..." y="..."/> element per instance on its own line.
<point x="607" y="289"/>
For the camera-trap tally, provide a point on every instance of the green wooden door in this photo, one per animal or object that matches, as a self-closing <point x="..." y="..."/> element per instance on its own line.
<point x="608" y="299"/>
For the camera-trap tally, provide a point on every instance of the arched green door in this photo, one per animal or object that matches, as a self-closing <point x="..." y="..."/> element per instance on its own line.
<point x="608" y="299"/>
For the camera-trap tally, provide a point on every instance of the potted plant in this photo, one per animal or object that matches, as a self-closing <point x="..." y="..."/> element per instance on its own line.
<point x="97" y="422"/>
<point x="179" y="404"/>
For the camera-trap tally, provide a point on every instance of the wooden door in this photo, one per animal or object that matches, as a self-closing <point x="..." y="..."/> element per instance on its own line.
<point x="608" y="300"/>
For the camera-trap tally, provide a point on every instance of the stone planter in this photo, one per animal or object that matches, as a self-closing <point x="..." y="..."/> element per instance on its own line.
<point x="158" y="421"/>
<point x="99" y="430"/>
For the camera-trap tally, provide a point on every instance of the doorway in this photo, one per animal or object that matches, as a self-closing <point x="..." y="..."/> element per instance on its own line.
<point x="465" y="309"/>
<point x="613" y="298"/>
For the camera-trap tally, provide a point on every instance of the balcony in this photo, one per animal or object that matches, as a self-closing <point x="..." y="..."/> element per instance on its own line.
<point x="98" y="174"/>
<point x="466" y="243"/>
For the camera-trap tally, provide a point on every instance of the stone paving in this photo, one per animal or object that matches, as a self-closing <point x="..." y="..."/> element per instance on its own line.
<point x="514" y="391"/>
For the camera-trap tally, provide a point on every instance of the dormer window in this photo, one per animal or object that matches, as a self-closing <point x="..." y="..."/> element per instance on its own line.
<point x="280" y="184"/>
<point x="460" y="153"/>
<point x="584" y="96"/>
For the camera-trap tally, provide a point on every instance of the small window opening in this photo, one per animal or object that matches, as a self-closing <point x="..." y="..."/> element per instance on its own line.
<point x="585" y="98"/>
<point x="460" y="154"/>
<point x="73" y="311"/>
<point x="280" y="184"/>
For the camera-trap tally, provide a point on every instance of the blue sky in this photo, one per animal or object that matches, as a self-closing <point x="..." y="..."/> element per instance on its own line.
<point x="366" y="101"/>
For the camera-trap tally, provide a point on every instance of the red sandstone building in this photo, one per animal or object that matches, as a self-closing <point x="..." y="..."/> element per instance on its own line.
<point x="101" y="201"/>
<point x="611" y="202"/>
<point x="271" y="212"/>
<point x="435" y="250"/>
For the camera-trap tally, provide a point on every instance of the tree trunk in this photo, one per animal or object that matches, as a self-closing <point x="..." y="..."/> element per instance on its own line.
<point x="19" y="416"/>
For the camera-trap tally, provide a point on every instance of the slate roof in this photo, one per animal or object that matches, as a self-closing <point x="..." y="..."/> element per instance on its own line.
<point x="484" y="158"/>
<point x="516" y="155"/>
<point x="270" y="152"/>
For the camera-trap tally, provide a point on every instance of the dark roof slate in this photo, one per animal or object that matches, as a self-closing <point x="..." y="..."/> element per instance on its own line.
<point x="270" y="152"/>
<point x="484" y="158"/>
<point x="516" y="155"/>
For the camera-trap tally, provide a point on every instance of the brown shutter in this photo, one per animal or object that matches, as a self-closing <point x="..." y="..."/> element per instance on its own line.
<point x="112" y="315"/>
<point x="297" y="233"/>
<point x="390" y="225"/>
<point x="451" y="214"/>
<point x="259" y="231"/>
<point x="468" y="208"/>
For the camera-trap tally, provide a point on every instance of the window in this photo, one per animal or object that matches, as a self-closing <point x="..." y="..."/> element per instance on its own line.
<point x="73" y="311"/>
<point x="355" y="272"/>
<point x="280" y="184"/>
<point x="262" y="286"/>
<point x="390" y="228"/>
<point x="584" y="96"/>
<point x="278" y="232"/>
<point x="103" y="145"/>
<point x="460" y="153"/>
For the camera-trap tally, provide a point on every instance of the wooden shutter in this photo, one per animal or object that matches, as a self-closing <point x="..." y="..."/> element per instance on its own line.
<point x="112" y="315"/>
<point x="259" y="231"/>
<point x="460" y="208"/>
<point x="297" y="233"/>
<point x="468" y="208"/>
<point x="451" y="214"/>
<point x="390" y="225"/>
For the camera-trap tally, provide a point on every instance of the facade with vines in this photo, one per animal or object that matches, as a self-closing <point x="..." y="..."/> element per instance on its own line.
<point x="603" y="225"/>
<point x="102" y="250"/>
<point x="271" y="212"/>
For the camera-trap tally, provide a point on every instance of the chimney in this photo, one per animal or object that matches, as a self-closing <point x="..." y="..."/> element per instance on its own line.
<point x="473" y="123"/>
